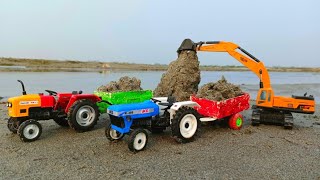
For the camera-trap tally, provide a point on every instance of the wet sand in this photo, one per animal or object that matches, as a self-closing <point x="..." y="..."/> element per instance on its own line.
<point x="264" y="152"/>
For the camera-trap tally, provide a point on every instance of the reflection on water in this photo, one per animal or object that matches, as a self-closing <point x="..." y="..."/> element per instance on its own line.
<point x="88" y="81"/>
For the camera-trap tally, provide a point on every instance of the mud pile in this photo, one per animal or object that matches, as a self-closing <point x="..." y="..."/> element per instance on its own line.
<point x="219" y="90"/>
<point x="124" y="84"/>
<point x="182" y="77"/>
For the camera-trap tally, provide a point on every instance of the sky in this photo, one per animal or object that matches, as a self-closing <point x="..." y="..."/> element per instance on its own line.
<point x="279" y="33"/>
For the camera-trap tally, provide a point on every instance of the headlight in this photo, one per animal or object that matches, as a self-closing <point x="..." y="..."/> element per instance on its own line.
<point x="9" y="104"/>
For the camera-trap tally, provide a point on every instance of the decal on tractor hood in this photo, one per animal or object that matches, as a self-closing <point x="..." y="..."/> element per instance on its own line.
<point x="28" y="102"/>
<point x="132" y="112"/>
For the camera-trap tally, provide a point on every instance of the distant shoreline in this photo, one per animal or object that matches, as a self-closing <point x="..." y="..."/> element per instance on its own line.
<point x="43" y="65"/>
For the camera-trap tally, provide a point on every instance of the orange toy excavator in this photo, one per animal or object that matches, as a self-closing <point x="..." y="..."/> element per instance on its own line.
<point x="269" y="108"/>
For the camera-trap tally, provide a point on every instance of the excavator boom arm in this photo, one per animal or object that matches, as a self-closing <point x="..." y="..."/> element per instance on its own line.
<point x="246" y="58"/>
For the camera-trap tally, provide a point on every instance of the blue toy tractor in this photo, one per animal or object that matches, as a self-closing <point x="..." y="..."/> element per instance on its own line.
<point x="154" y="115"/>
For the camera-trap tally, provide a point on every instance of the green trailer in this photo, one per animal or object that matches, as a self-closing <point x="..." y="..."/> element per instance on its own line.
<point x="122" y="97"/>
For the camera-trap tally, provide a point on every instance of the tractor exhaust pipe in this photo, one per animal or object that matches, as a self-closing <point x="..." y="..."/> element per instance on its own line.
<point x="23" y="90"/>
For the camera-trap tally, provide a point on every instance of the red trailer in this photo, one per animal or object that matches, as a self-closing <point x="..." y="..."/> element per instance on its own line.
<point x="227" y="109"/>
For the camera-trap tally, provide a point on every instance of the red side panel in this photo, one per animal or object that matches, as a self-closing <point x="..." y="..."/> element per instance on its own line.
<point x="47" y="101"/>
<point x="221" y="109"/>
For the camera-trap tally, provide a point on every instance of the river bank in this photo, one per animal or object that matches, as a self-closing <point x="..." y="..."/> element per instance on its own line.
<point x="43" y="65"/>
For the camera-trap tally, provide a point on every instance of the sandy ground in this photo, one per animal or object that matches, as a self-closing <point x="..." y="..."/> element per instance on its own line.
<point x="264" y="152"/>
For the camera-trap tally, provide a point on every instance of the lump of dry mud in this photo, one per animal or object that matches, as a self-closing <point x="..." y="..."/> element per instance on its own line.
<point x="182" y="77"/>
<point x="219" y="90"/>
<point x="124" y="84"/>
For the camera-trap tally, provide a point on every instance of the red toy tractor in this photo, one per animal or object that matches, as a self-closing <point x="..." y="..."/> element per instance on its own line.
<point x="77" y="110"/>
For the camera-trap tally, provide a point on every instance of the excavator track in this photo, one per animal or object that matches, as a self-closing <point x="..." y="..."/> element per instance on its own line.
<point x="255" y="121"/>
<point x="288" y="120"/>
<point x="270" y="116"/>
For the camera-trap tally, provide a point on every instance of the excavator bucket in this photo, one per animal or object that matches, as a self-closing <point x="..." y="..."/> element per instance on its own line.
<point x="187" y="44"/>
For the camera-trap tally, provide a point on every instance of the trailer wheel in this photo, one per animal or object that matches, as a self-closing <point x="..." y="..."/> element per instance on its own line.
<point x="13" y="124"/>
<point x="83" y="115"/>
<point x="29" y="130"/>
<point x="184" y="124"/>
<point x="112" y="134"/>
<point x="138" y="140"/>
<point x="236" y="121"/>
<point x="61" y="121"/>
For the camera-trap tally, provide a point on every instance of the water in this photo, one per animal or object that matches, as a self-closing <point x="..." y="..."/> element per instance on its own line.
<point x="36" y="82"/>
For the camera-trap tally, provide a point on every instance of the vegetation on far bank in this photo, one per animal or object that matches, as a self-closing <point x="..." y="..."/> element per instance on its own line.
<point x="43" y="65"/>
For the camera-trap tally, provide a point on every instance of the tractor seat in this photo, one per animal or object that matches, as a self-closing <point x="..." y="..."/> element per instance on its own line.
<point x="170" y="102"/>
<point x="76" y="92"/>
<point x="303" y="97"/>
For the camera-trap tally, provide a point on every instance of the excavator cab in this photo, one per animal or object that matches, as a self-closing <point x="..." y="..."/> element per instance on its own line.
<point x="265" y="98"/>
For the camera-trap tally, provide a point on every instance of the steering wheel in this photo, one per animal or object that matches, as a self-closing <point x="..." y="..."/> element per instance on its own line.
<point x="51" y="92"/>
<point x="155" y="100"/>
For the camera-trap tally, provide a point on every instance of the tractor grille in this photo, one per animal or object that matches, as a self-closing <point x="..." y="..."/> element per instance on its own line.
<point x="117" y="121"/>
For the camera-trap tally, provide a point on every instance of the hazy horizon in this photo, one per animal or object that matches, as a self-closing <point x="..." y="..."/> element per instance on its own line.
<point x="279" y="33"/>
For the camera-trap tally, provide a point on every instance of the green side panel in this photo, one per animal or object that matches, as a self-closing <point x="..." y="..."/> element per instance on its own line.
<point x="122" y="97"/>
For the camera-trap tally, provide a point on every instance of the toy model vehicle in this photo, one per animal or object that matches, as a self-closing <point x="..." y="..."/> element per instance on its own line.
<point x="269" y="108"/>
<point x="184" y="118"/>
<point x="77" y="110"/>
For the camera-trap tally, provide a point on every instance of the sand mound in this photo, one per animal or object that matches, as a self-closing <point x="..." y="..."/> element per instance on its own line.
<point x="182" y="77"/>
<point x="219" y="91"/>
<point x="124" y="84"/>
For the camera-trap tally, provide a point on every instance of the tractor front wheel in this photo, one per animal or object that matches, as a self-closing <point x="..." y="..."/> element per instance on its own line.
<point x="236" y="121"/>
<point x="112" y="134"/>
<point x="184" y="124"/>
<point x="138" y="140"/>
<point x="13" y="124"/>
<point x="83" y="115"/>
<point x="29" y="130"/>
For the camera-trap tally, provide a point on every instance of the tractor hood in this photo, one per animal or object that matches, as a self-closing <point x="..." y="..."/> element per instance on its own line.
<point x="19" y="106"/>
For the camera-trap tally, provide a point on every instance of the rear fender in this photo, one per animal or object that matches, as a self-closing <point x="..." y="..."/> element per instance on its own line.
<point x="176" y="106"/>
<point x="77" y="97"/>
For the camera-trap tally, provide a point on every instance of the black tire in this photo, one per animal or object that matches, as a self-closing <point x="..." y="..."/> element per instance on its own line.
<point x="13" y="124"/>
<point x="111" y="134"/>
<point x="63" y="122"/>
<point x="138" y="140"/>
<point x="83" y="115"/>
<point x="187" y="134"/>
<point x="29" y="130"/>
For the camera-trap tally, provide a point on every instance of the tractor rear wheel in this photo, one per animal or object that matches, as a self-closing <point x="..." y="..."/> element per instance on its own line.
<point x="236" y="121"/>
<point x="112" y="134"/>
<point x="61" y="121"/>
<point x="83" y="115"/>
<point x="184" y="124"/>
<point x="138" y="140"/>
<point x="13" y="124"/>
<point x="29" y="131"/>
